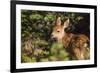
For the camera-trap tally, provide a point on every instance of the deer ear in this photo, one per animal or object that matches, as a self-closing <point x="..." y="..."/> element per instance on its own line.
<point x="66" y="23"/>
<point x="58" y="21"/>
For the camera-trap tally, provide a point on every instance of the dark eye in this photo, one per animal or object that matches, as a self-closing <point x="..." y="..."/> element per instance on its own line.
<point x="58" y="31"/>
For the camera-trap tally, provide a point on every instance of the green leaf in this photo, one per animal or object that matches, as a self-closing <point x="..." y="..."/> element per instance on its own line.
<point x="36" y="17"/>
<point x="44" y="60"/>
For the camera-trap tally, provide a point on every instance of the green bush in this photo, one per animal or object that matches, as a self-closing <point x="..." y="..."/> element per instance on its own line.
<point x="58" y="53"/>
<point x="36" y="26"/>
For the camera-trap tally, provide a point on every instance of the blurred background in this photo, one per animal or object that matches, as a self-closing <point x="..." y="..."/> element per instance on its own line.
<point x="36" y="28"/>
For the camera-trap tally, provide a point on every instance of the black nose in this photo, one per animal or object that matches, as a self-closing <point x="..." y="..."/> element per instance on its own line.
<point x="53" y="38"/>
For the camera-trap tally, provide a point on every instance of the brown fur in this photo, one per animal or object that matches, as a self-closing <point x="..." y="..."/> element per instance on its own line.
<point x="76" y="45"/>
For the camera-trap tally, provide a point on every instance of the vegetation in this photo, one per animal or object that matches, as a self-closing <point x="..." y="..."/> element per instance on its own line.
<point x="36" y="44"/>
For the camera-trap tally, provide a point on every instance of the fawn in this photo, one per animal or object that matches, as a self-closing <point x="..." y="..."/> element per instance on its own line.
<point x="77" y="45"/>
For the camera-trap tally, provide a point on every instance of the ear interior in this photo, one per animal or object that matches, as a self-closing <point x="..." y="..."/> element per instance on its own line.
<point x="66" y="23"/>
<point x="58" y="21"/>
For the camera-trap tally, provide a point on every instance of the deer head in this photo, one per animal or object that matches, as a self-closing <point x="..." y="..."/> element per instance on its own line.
<point x="58" y="30"/>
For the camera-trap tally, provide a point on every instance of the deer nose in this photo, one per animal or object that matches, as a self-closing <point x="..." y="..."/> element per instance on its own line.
<point x="53" y="38"/>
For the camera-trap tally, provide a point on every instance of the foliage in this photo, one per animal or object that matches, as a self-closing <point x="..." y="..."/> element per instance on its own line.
<point x="58" y="52"/>
<point x="36" y="28"/>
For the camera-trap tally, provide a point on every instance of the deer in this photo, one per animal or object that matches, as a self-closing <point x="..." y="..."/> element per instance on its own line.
<point x="77" y="45"/>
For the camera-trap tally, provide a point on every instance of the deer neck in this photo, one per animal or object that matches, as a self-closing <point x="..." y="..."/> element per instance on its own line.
<point x="67" y="39"/>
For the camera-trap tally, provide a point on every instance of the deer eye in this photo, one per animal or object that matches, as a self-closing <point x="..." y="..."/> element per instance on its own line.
<point x="58" y="31"/>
